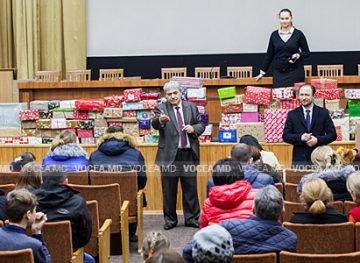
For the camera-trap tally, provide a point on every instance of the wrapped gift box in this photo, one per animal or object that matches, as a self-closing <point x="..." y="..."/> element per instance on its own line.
<point x="113" y="101"/>
<point x="324" y="84"/>
<point x="283" y="93"/>
<point x="72" y="124"/>
<point x="201" y="109"/>
<point x="150" y="104"/>
<point x="290" y="104"/>
<point x="208" y="130"/>
<point x="130" y="114"/>
<point x="150" y="138"/>
<point x="205" y="118"/>
<point x="29" y="115"/>
<point x="250" y="107"/>
<point x="86" y="124"/>
<point x="34" y="140"/>
<point x="111" y="113"/>
<point x="10" y="132"/>
<point x="96" y="115"/>
<point x="353" y="122"/>
<point x="329" y="94"/>
<point x="85" y="133"/>
<point x="143" y="132"/>
<point x="257" y="95"/>
<point x="47" y="140"/>
<point x="319" y="102"/>
<point x="90" y="104"/>
<point x="58" y="123"/>
<point x="196" y="93"/>
<point x="237" y="100"/>
<point x="39" y="105"/>
<point x="354" y="108"/>
<point x="90" y="140"/>
<point x="43" y="124"/>
<point x="131" y="128"/>
<point x="204" y="138"/>
<point x="133" y="105"/>
<point x="28" y="132"/>
<point x="198" y="102"/>
<point x="67" y="104"/>
<point x="53" y="104"/>
<point x="132" y="95"/>
<point x="231" y="118"/>
<point x="143" y="115"/>
<point x="344" y="128"/>
<point x="73" y="130"/>
<point x="100" y="123"/>
<point x="115" y="123"/>
<point x="274" y="124"/>
<point x="232" y="109"/>
<point x="188" y="82"/>
<point x="47" y="133"/>
<point x="144" y="124"/>
<point x="28" y="124"/>
<point x="249" y="117"/>
<point x="58" y="115"/>
<point x="227" y="135"/>
<point x="45" y="114"/>
<point x="150" y="95"/>
<point x="81" y="115"/>
<point x="352" y="93"/>
<point x="225" y="93"/>
<point x="332" y="104"/>
<point x="275" y="104"/>
<point x="98" y="131"/>
<point x="255" y="129"/>
<point x="298" y="85"/>
<point x="337" y="114"/>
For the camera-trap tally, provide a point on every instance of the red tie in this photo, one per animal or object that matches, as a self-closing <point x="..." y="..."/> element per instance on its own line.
<point x="183" y="141"/>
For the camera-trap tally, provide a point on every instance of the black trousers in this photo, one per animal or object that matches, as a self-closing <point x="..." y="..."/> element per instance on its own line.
<point x="184" y="169"/>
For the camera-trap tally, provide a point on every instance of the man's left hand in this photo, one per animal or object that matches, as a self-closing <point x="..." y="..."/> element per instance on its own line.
<point x="189" y="129"/>
<point x="312" y="142"/>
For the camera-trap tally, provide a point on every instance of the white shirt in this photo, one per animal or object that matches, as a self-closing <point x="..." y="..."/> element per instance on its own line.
<point x="311" y="110"/>
<point x="182" y="116"/>
<point x="285" y="36"/>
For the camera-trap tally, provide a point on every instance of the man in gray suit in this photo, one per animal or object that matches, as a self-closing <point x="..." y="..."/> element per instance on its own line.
<point x="179" y="125"/>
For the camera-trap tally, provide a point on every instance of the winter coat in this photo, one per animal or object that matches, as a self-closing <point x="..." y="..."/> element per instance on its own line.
<point x="59" y="203"/>
<point x="2" y="206"/>
<point x="255" y="178"/>
<point x="71" y="156"/>
<point x="228" y="201"/>
<point x="335" y="178"/>
<point x="331" y="216"/>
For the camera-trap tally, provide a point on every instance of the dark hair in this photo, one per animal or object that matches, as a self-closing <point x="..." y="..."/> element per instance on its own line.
<point x="251" y="140"/>
<point x="255" y="153"/>
<point x="17" y="203"/>
<point x="114" y="129"/>
<point x="166" y="256"/>
<point x="313" y="89"/>
<point x="227" y="171"/>
<point x="241" y="152"/>
<point x="285" y="10"/>
<point x="54" y="174"/>
<point x="24" y="158"/>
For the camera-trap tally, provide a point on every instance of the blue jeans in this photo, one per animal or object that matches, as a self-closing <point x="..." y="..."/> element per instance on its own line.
<point x="208" y="186"/>
<point x="88" y="258"/>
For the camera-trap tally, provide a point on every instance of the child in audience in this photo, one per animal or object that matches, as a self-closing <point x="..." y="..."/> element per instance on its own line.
<point x="30" y="177"/>
<point x="166" y="256"/>
<point x="347" y="156"/>
<point x="21" y="160"/>
<point x="153" y="242"/>
<point x="317" y="196"/>
<point x="353" y="186"/>
<point x="65" y="151"/>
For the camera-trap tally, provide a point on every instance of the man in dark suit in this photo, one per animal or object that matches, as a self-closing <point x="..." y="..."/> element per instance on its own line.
<point x="179" y="125"/>
<point x="307" y="127"/>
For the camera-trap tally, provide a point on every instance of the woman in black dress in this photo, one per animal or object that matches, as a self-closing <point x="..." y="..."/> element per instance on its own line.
<point x="287" y="48"/>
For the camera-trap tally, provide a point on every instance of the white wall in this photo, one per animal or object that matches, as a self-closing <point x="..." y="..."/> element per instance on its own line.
<point x="168" y="27"/>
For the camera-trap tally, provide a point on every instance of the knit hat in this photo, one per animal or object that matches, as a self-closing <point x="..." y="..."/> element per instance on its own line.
<point x="213" y="244"/>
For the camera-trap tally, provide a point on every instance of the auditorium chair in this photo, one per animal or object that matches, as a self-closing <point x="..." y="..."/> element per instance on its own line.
<point x="22" y="255"/>
<point x="294" y="176"/>
<point x="111" y="74"/>
<point x="357" y="236"/>
<point x="78" y="75"/>
<point x="168" y="73"/>
<point x="323" y="238"/>
<point x="308" y="71"/>
<point x="58" y="239"/>
<point x="291" y="207"/>
<point x="255" y="258"/>
<point x="290" y="193"/>
<point x="207" y="72"/>
<point x="1" y="223"/>
<point x="330" y="71"/>
<point x="99" y="244"/>
<point x="280" y="187"/>
<point x="289" y="257"/>
<point x="348" y="205"/>
<point x="7" y="187"/>
<point x="48" y="76"/>
<point x="112" y="207"/>
<point x="78" y="177"/>
<point x="239" y="72"/>
<point x="128" y="191"/>
<point x="9" y="177"/>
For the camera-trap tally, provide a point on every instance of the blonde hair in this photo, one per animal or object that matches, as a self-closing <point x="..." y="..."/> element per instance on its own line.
<point x="153" y="242"/>
<point x="325" y="157"/>
<point x="347" y="156"/>
<point x="64" y="137"/>
<point x="316" y="194"/>
<point x="30" y="177"/>
<point x="353" y="185"/>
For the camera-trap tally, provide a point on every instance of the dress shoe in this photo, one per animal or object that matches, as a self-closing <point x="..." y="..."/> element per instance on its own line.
<point x="169" y="226"/>
<point x="194" y="224"/>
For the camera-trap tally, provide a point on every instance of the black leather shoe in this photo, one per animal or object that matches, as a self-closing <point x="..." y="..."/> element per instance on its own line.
<point x="194" y="224"/>
<point x="169" y="226"/>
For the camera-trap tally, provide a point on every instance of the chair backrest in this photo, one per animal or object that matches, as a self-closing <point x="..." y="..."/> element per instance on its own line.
<point x="168" y="73"/>
<point x="92" y="246"/>
<point x="78" y="177"/>
<point x="289" y="257"/>
<point x="294" y="176"/>
<point x="357" y="236"/>
<point x="47" y="76"/>
<point x="127" y="182"/>
<point x="330" y="70"/>
<point x="290" y="193"/>
<point x="207" y="72"/>
<point x="323" y="239"/>
<point x="280" y="187"/>
<point x="348" y="205"/>
<point x="9" y="177"/>
<point x="22" y="255"/>
<point x="308" y="71"/>
<point x="58" y="239"/>
<point x="359" y="69"/>
<point x="1" y="223"/>
<point x="255" y="258"/>
<point x="78" y="75"/>
<point x="111" y="74"/>
<point x="240" y="72"/>
<point x="109" y="202"/>
<point x="7" y="187"/>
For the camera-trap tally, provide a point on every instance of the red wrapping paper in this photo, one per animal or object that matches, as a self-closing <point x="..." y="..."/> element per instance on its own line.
<point x="232" y="109"/>
<point x="274" y="123"/>
<point x="81" y="115"/>
<point x="132" y="95"/>
<point x="90" y="104"/>
<point x="113" y="101"/>
<point x="283" y="93"/>
<point x="29" y="115"/>
<point x="150" y="104"/>
<point x="257" y="95"/>
<point x="290" y="104"/>
<point x="85" y="133"/>
<point x="129" y="114"/>
<point x="324" y="83"/>
<point x="329" y="94"/>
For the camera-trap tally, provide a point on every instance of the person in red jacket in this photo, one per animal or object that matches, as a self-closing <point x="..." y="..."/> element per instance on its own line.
<point x="353" y="186"/>
<point x="231" y="197"/>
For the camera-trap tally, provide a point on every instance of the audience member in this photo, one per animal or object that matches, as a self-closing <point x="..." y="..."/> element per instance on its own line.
<point x="20" y="206"/>
<point x="266" y="156"/>
<point x="347" y="156"/>
<point x="30" y="177"/>
<point x="60" y="202"/>
<point x="166" y="256"/>
<point x="317" y="196"/>
<point x="65" y="151"/>
<point x="152" y="243"/>
<point x="21" y="160"/>
<point x="353" y="186"/>
<point x="356" y="162"/>
<point x="261" y="233"/>
<point x="2" y="206"/>
<point x="331" y="171"/>
<point x="231" y="197"/>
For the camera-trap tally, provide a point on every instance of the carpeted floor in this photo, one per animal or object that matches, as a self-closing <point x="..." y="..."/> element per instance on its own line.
<point x="178" y="236"/>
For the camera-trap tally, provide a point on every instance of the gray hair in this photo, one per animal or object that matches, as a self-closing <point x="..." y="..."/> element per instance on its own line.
<point x="353" y="185"/>
<point x="268" y="203"/>
<point x="241" y="152"/>
<point x="54" y="174"/>
<point x="172" y="85"/>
